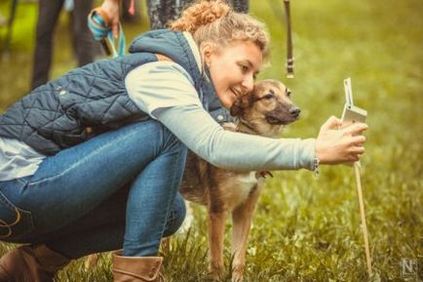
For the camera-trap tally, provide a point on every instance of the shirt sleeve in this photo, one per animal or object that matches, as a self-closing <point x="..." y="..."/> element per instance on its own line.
<point x="165" y="91"/>
<point x="233" y="150"/>
<point x="161" y="85"/>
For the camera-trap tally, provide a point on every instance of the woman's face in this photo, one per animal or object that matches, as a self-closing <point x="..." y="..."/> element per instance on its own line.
<point x="233" y="69"/>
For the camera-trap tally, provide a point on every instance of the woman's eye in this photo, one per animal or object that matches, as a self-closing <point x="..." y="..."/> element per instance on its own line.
<point x="244" y="68"/>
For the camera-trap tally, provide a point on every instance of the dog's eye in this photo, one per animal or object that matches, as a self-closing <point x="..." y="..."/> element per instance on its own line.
<point x="268" y="96"/>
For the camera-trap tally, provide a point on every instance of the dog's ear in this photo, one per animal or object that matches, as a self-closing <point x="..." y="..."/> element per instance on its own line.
<point x="240" y="104"/>
<point x="236" y="109"/>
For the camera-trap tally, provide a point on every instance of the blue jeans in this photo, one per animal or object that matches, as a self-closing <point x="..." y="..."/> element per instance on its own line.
<point x="116" y="190"/>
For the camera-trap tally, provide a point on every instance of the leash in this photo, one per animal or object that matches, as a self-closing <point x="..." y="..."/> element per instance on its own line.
<point x="289" y="45"/>
<point x="279" y="14"/>
<point x="99" y="25"/>
<point x="4" y="224"/>
<point x="357" y="169"/>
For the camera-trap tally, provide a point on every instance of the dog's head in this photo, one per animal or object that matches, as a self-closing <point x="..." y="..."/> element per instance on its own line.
<point x="267" y="109"/>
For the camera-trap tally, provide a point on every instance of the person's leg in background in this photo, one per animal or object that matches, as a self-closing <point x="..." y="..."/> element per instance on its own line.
<point x="240" y="5"/>
<point x="48" y="14"/>
<point x="85" y="47"/>
<point x="161" y="12"/>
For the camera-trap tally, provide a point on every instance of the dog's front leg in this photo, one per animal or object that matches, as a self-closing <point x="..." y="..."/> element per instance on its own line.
<point x="216" y="236"/>
<point x="242" y="217"/>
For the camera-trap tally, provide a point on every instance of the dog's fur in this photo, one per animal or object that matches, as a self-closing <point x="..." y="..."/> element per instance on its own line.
<point x="264" y="111"/>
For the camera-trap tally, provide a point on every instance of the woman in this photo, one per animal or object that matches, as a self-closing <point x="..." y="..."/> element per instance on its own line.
<point x="92" y="161"/>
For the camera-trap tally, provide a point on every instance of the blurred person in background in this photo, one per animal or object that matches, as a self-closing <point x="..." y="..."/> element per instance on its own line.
<point x="84" y="46"/>
<point x="160" y="12"/>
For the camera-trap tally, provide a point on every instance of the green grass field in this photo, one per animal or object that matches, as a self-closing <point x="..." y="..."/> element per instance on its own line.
<point x="308" y="228"/>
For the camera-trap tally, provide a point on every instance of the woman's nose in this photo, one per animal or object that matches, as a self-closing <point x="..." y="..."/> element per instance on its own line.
<point x="248" y="83"/>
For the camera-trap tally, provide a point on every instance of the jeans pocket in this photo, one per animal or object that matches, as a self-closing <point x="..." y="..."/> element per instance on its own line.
<point x="14" y="222"/>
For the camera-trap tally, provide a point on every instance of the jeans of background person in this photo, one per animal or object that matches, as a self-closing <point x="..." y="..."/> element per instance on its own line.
<point x="84" y="46"/>
<point x="118" y="189"/>
<point x="162" y="12"/>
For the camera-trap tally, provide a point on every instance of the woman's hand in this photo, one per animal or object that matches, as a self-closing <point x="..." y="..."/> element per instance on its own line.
<point x="111" y="8"/>
<point x="335" y="145"/>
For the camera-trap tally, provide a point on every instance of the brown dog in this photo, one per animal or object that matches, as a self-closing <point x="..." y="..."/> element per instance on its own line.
<point x="265" y="111"/>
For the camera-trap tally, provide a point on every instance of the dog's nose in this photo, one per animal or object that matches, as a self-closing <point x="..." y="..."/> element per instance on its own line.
<point x="295" y="112"/>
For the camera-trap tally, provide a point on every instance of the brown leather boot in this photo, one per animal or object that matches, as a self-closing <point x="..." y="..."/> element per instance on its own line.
<point x="136" y="269"/>
<point x="31" y="264"/>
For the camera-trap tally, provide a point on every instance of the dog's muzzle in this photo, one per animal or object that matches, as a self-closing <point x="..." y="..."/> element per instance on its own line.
<point x="283" y="117"/>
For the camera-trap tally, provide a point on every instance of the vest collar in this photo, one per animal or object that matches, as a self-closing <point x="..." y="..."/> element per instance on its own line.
<point x="194" y="49"/>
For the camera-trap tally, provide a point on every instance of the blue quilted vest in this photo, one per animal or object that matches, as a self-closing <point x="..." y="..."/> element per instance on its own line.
<point x="92" y="99"/>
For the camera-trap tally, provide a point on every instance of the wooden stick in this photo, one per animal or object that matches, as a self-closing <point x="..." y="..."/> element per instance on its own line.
<point x="363" y="216"/>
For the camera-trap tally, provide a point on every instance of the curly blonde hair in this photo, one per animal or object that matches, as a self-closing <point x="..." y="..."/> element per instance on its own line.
<point x="215" y="21"/>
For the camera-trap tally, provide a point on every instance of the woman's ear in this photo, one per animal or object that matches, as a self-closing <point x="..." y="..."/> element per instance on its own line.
<point x="206" y="51"/>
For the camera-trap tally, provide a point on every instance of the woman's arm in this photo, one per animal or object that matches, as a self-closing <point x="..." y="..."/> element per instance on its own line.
<point x="165" y="91"/>
<point x="204" y="136"/>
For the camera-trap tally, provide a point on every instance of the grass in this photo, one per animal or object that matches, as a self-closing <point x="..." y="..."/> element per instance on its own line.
<point x="307" y="228"/>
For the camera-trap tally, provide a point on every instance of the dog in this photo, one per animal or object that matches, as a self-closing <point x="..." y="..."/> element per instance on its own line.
<point x="265" y="111"/>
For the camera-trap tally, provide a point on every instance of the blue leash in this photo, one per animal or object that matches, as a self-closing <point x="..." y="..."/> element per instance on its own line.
<point x="98" y="25"/>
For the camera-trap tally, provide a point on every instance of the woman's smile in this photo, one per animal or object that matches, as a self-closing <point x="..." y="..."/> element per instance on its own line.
<point x="233" y="69"/>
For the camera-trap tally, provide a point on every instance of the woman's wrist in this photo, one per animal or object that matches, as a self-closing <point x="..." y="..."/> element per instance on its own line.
<point x="316" y="163"/>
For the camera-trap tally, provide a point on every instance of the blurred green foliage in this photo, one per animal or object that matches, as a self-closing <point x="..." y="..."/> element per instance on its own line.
<point x="307" y="228"/>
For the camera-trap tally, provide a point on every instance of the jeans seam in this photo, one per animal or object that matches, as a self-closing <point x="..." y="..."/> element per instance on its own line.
<point x="19" y="213"/>
<point x="169" y="204"/>
<point x="22" y="181"/>
<point x="11" y="205"/>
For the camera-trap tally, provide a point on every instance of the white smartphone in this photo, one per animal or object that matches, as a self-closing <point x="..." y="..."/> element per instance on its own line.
<point x="351" y="113"/>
